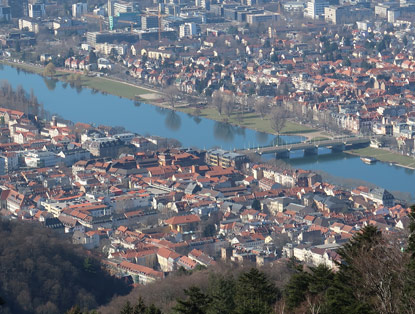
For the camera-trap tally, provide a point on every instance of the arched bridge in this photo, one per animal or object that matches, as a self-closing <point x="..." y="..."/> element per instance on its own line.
<point x="311" y="147"/>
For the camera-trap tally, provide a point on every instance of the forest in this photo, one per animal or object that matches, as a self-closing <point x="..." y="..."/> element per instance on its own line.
<point x="41" y="272"/>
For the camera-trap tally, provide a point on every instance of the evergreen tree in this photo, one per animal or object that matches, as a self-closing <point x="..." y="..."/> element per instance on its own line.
<point x="222" y="292"/>
<point x="127" y="308"/>
<point x="152" y="309"/>
<point x="196" y="302"/>
<point x="296" y="289"/>
<point x="256" y="204"/>
<point x="255" y="294"/>
<point x="140" y="307"/>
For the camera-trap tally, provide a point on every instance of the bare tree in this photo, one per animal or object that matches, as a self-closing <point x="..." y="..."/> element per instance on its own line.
<point x="228" y="104"/>
<point x="172" y="94"/>
<point x="380" y="276"/>
<point x="261" y="107"/>
<point x="217" y="101"/>
<point x="278" y="119"/>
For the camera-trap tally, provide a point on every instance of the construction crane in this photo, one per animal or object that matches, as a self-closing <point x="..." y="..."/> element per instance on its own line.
<point x="159" y="16"/>
<point x="95" y="17"/>
<point x="127" y="22"/>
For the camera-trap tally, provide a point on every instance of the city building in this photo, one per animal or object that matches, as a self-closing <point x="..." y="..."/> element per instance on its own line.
<point x="79" y="9"/>
<point x="36" y="10"/>
<point x="188" y="30"/>
<point x="315" y="8"/>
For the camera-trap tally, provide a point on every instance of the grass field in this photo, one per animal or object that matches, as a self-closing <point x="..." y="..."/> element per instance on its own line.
<point x="384" y="155"/>
<point x="251" y="121"/>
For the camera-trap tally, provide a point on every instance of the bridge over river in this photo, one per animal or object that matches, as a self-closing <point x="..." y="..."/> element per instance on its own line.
<point x="311" y="147"/>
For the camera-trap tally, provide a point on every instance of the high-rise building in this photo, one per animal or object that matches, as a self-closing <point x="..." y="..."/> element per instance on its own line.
<point x="337" y="14"/>
<point x="110" y="8"/>
<point x="149" y="21"/>
<point x="79" y="9"/>
<point x="315" y="8"/>
<point x="37" y="10"/>
<point x="188" y="30"/>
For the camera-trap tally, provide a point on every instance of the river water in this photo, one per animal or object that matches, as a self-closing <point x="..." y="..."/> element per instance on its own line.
<point x="83" y="105"/>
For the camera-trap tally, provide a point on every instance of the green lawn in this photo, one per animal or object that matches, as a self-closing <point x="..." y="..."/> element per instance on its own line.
<point x="251" y="121"/>
<point x="114" y="88"/>
<point x="384" y="155"/>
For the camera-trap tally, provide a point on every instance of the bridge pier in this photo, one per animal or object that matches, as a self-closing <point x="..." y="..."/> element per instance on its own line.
<point x="338" y="148"/>
<point x="282" y="154"/>
<point x="311" y="151"/>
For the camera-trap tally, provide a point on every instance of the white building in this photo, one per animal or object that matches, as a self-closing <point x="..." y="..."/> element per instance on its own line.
<point x="29" y="24"/>
<point x="266" y="17"/>
<point x="188" y="30"/>
<point x="79" y="9"/>
<point x="104" y="64"/>
<point x="315" y="8"/>
<point x="41" y="159"/>
<point x="37" y="10"/>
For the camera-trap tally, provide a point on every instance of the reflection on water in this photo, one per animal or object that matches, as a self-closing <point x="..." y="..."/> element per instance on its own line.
<point x="161" y="110"/>
<point x="224" y="131"/>
<point x="173" y="120"/>
<point x="262" y="137"/>
<point x="50" y="83"/>
<point x="78" y="88"/>
<point x="197" y="119"/>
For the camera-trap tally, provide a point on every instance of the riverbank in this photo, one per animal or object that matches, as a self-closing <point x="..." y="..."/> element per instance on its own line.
<point x="385" y="156"/>
<point x="127" y="90"/>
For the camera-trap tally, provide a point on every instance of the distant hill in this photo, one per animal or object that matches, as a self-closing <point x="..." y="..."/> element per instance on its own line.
<point x="43" y="273"/>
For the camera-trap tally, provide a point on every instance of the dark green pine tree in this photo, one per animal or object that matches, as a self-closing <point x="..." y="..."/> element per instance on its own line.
<point x="296" y="289"/>
<point x="341" y="297"/>
<point x="152" y="309"/>
<point x="140" y="307"/>
<point x="312" y="286"/>
<point x="255" y="294"/>
<point x="196" y="302"/>
<point x="222" y="292"/>
<point x="127" y="308"/>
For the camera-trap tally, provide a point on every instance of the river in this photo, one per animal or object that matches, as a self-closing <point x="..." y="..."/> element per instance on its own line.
<point x="84" y="105"/>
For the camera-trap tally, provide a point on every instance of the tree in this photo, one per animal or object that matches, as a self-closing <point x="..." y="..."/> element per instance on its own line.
<point x="261" y="107"/>
<point x="255" y="294"/>
<point x="127" y="308"/>
<point x="222" y="291"/>
<point x="217" y="100"/>
<point x="171" y="93"/>
<point x="278" y="119"/>
<point x="196" y="302"/>
<point x="50" y="70"/>
<point x="92" y="57"/>
<point x="347" y="62"/>
<point x="70" y="53"/>
<point x="405" y="40"/>
<point x="256" y="204"/>
<point x="228" y="104"/>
